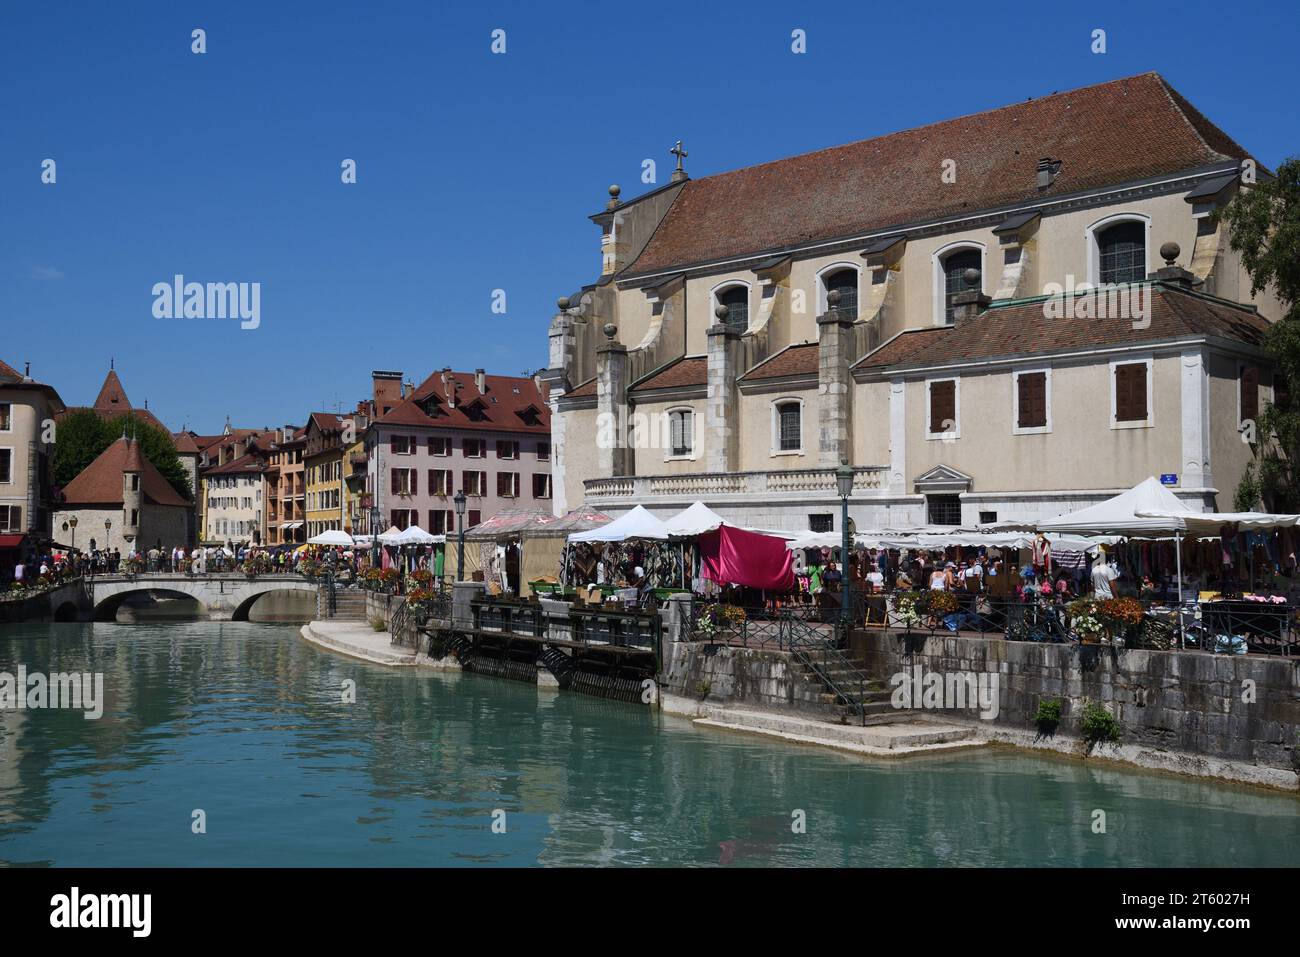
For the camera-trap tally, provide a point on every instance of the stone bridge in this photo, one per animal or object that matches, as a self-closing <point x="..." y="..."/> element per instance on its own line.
<point x="225" y="597"/>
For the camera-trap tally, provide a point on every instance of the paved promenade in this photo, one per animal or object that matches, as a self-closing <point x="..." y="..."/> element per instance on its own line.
<point x="357" y="639"/>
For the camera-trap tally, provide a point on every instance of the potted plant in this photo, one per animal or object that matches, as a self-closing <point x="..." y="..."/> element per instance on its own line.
<point x="1085" y="621"/>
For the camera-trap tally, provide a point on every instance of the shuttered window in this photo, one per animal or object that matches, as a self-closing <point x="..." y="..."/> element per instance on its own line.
<point x="1249" y="393"/>
<point x="508" y="484"/>
<point x="1031" y="400"/>
<point x="1131" y="392"/>
<point x="943" y="406"/>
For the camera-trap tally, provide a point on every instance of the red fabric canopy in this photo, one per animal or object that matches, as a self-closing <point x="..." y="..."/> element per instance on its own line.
<point x="733" y="556"/>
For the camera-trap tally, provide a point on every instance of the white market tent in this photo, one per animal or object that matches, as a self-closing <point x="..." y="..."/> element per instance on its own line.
<point x="415" y="535"/>
<point x="389" y="537"/>
<point x="638" y="523"/>
<point x="1209" y="523"/>
<point x="332" y="537"/>
<point x="1147" y="510"/>
<point x="699" y="519"/>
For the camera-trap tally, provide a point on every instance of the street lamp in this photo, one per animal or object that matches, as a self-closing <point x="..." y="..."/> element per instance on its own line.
<point x="459" y="500"/>
<point x="374" y="536"/>
<point x="844" y="485"/>
<point x="73" y="522"/>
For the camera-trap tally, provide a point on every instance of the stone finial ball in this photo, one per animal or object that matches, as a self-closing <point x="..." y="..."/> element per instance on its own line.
<point x="615" y="190"/>
<point x="833" y="298"/>
<point x="563" y="303"/>
<point x="611" y="330"/>
<point x="721" y="311"/>
<point x="1169" y="252"/>
<point x="971" y="276"/>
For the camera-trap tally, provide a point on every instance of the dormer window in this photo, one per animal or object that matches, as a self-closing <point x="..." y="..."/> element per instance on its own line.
<point x="955" y="265"/>
<point x="476" y="411"/>
<point x="736" y="299"/>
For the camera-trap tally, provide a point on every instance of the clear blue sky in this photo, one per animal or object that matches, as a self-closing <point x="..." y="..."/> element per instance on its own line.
<point x="475" y="171"/>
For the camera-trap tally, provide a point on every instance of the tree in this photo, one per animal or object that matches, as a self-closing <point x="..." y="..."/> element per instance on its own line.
<point x="1264" y="228"/>
<point x="82" y="436"/>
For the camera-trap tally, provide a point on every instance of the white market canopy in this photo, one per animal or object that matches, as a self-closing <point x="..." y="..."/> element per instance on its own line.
<point x="1147" y="510"/>
<point x="390" y="537"/>
<point x="332" y="537"/>
<point x="1209" y="524"/>
<point x="638" y="523"/>
<point x="415" y="535"/>
<point x="699" y="519"/>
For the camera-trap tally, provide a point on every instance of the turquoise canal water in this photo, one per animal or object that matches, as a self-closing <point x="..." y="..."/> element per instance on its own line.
<point x="247" y="723"/>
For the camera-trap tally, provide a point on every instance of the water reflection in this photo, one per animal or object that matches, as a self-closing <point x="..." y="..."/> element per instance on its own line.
<point x="252" y="725"/>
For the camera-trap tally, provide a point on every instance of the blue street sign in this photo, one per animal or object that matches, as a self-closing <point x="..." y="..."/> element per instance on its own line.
<point x="1169" y="478"/>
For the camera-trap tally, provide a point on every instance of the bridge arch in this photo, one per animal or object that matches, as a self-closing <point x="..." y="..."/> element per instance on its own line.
<point x="246" y="605"/>
<point x="106" y="608"/>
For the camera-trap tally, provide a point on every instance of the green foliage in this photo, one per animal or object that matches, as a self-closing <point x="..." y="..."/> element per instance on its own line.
<point x="1048" y="716"/>
<point x="1097" y="725"/>
<point x="1249" y="489"/>
<point x="83" y="435"/>
<point x="1264" y="228"/>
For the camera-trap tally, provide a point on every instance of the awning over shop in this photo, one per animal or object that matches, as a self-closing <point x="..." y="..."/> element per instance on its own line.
<point x="11" y="541"/>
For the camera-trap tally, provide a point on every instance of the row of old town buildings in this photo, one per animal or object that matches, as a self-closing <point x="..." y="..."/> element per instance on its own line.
<point x="397" y="459"/>
<point x="912" y="305"/>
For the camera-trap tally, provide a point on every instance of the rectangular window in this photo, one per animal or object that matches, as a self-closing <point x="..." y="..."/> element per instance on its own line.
<point x="1249" y="393"/>
<point x="508" y="484"/>
<point x="543" y="451"/>
<point x="474" y="483"/>
<point x="943" y="509"/>
<point x="681" y="430"/>
<point x="789" y="434"/>
<point x="542" y="485"/>
<point x="988" y="518"/>
<point x="1131" y="392"/>
<point x="6" y="417"/>
<point x="6" y="465"/>
<point x="821" y="522"/>
<point x="507" y="449"/>
<point x="11" y="518"/>
<point x="943" y="406"/>
<point x="404" y="481"/>
<point x="473" y="517"/>
<point x="439" y="445"/>
<point x="437" y="522"/>
<point x="440" y="481"/>
<point x="1031" y="400"/>
<point x="474" y="448"/>
<point x="401" y="445"/>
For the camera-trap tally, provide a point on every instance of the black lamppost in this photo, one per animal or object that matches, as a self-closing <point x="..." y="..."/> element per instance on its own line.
<point x="844" y="485"/>
<point x="459" y="499"/>
<point x="374" y="536"/>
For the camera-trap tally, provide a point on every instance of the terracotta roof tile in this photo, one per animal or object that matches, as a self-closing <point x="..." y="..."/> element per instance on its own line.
<point x="100" y="482"/>
<point x="505" y="402"/>
<point x="1026" y="329"/>
<point x="585" y="389"/>
<point x="1116" y="132"/>
<point x="799" y="359"/>
<point x="8" y="372"/>
<point x="683" y="373"/>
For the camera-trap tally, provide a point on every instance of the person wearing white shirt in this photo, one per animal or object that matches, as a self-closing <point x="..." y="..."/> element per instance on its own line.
<point x="1103" y="573"/>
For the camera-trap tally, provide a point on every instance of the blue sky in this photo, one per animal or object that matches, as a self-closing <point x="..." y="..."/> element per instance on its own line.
<point x="476" y="171"/>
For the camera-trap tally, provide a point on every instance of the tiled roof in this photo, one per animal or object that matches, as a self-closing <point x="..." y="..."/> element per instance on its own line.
<point x="112" y="402"/>
<point x="504" y="401"/>
<point x="799" y="359"/>
<point x="8" y="372"/>
<point x="1104" y="135"/>
<point x="100" y="482"/>
<point x="585" y="389"/>
<point x="240" y="466"/>
<point x="185" y="445"/>
<point x="683" y="373"/>
<point x="1025" y="329"/>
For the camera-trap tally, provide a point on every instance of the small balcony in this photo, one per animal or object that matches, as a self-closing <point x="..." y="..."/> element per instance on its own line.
<point x="775" y="486"/>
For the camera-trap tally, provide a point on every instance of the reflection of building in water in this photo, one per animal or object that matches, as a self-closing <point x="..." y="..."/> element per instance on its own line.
<point x="11" y="725"/>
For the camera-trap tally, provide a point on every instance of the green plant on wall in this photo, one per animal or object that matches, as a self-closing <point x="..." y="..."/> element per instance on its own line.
<point x="1097" y="725"/>
<point x="1048" y="716"/>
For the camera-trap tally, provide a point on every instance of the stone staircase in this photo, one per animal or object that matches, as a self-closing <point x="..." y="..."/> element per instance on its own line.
<point x="349" y="604"/>
<point x="846" y="688"/>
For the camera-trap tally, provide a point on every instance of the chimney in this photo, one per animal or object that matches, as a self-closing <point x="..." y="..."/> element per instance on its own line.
<point x="449" y="387"/>
<point x="386" y="389"/>
<point x="1047" y="170"/>
<point x="480" y="381"/>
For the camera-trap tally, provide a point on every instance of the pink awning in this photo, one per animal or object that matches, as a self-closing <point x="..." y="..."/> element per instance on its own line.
<point x="733" y="556"/>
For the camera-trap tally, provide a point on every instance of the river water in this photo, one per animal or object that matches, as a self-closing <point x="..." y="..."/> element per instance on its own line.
<point x="250" y="725"/>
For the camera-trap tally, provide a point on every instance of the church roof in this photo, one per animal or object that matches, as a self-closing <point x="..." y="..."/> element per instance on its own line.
<point x="682" y="373"/>
<point x="100" y="482"/>
<point x="1118" y="132"/>
<point x="1025" y="328"/>
<point x="799" y="359"/>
